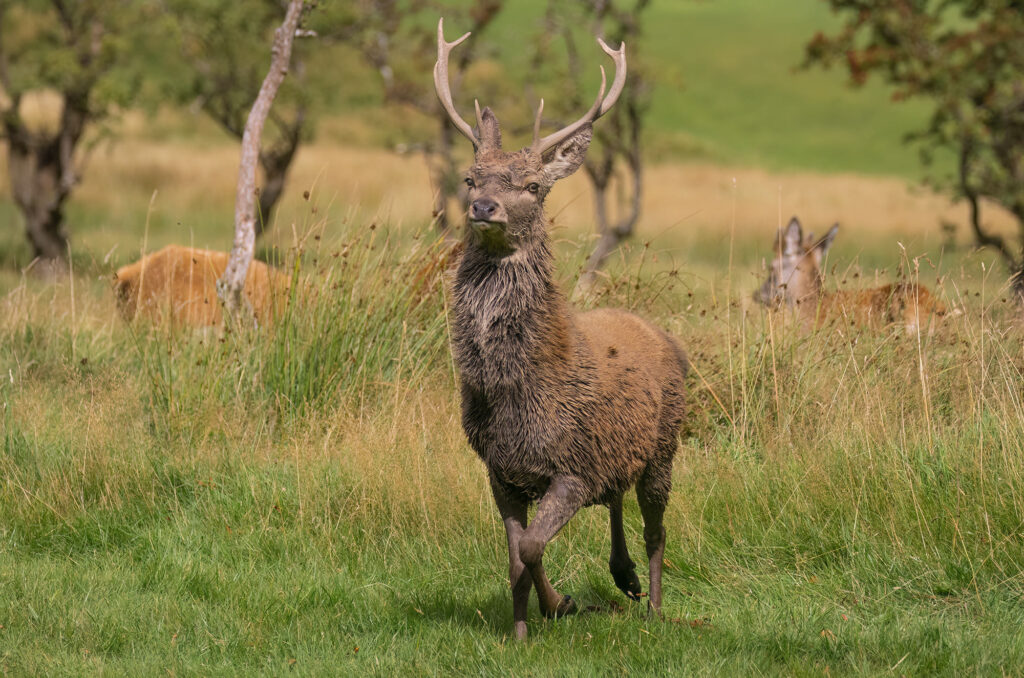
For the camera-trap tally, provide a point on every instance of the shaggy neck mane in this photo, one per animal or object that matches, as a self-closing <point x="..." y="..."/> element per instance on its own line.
<point x="510" y="318"/>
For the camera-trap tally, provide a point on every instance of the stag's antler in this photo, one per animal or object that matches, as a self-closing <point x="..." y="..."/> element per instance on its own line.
<point x="601" y="105"/>
<point x="443" y="88"/>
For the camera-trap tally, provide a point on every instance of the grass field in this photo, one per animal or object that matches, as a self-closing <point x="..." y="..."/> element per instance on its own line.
<point x="301" y="500"/>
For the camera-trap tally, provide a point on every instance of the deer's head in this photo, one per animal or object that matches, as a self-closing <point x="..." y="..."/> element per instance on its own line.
<point x="507" y="190"/>
<point x="795" y="272"/>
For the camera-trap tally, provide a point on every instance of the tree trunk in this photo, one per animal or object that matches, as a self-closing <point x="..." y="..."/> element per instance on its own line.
<point x="42" y="172"/>
<point x="445" y="177"/>
<point x="983" y="238"/>
<point x="35" y="178"/>
<point x="270" y="193"/>
<point x="600" y="175"/>
<point x="275" y="164"/>
<point x="229" y="287"/>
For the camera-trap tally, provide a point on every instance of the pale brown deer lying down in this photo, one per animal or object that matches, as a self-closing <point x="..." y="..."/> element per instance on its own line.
<point x="566" y="409"/>
<point x="795" y="281"/>
<point x="178" y="284"/>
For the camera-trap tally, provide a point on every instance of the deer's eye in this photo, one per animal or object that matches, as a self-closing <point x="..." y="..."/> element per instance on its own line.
<point x="533" y="187"/>
<point x="470" y="182"/>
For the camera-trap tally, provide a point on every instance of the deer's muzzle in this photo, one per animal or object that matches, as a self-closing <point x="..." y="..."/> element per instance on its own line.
<point x="484" y="209"/>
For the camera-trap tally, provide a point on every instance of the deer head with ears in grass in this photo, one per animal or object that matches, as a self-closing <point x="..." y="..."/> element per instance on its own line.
<point x="795" y="282"/>
<point x="565" y="409"/>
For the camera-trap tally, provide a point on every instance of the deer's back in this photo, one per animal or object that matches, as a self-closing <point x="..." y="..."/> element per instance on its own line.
<point x="639" y="387"/>
<point x="630" y="352"/>
<point x="909" y="304"/>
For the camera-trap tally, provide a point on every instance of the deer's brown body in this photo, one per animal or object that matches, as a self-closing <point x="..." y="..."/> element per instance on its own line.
<point x="795" y="282"/>
<point x="565" y="409"/>
<point x="178" y="284"/>
<point x="907" y="304"/>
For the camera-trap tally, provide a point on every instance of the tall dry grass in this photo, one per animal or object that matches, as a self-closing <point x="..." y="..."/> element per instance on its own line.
<point x="307" y="487"/>
<point x="197" y="500"/>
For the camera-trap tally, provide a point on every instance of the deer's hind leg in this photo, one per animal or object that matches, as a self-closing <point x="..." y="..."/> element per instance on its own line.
<point x="652" y="490"/>
<point x="622" y="567"/>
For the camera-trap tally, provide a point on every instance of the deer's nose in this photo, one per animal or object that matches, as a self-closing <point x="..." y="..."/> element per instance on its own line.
<point x="483" y="209"/>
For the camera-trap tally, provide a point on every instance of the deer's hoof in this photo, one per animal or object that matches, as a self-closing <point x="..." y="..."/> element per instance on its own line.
<point x="564" y="609"/>
<point x="629" y="584"/>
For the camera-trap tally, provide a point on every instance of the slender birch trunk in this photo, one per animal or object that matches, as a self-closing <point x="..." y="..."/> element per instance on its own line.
<point x="231" y="284"/>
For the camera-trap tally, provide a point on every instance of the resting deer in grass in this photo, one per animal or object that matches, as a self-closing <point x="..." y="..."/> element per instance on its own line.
<point x="795" y="281"/>
<point x="565" y="409"/>
<point x="178" y="284"/>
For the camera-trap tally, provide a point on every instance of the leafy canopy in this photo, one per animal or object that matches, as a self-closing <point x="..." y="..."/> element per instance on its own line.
<point x="967" y="58"/>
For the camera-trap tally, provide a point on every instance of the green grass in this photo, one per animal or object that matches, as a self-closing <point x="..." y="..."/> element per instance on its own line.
<point x="729" y="79"/>
<point x="302" y="499"/>
<point x="196" y="504"/>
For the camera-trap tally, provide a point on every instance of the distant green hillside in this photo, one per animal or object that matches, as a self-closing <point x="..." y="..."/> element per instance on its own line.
<point x="729" y="88"/>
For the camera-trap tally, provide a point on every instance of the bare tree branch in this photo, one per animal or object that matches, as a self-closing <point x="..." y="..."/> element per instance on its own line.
<point x="981" y="237"/>
<point x="619" y="153"/>
<point x="229" y="287"/>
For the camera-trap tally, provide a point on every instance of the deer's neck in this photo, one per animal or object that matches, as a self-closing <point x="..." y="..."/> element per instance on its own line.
<point x="807" y="294"/>
<point x="511" y="323"/>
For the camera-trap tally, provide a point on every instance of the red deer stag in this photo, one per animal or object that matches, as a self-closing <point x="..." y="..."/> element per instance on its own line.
<point x="566" y="409"/>
<point x="795" y="281"/>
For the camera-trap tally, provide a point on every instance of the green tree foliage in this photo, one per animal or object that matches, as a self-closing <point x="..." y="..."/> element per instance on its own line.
<point x="967" y="58"/>
<point x="89" y="57"/>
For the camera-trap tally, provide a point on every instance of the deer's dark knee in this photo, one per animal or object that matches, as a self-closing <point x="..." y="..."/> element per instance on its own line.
<point x="621" y="563"/>
<point x="654" y="538"/>
<point x="515" y="571"/>
<point x="531" y="551"/>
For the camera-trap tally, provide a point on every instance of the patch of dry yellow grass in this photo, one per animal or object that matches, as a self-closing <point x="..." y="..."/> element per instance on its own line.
<point x="681" y="194"/>
<point x="681" y="201"/>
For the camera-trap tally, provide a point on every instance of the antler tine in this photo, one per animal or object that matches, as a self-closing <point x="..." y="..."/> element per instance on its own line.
<point x="442" y="86"/>
<point x="555" y="138"/>
<point x="536" y="122"/>
<point x="619" y="57"/>
<point x="601" y="105"/>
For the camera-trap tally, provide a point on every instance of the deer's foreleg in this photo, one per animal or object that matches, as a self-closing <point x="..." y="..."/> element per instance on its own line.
<point x="513" y="514"/>
<point x="557" y="506"/>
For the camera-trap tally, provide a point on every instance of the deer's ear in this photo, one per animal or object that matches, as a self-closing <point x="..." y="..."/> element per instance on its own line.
<point x="826" y="242"/>
<point x="791" y="238"/>
<point x="568" y="155"/>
